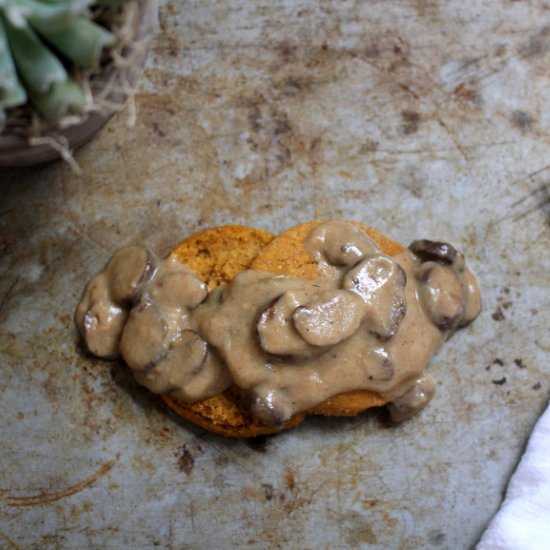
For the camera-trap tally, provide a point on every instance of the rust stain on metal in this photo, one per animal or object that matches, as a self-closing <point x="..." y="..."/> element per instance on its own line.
<point x="289" y="479"/>
<point x="186" y="455"/>
<point x="261" y="496"/>
<point x="8" y="541"/>
<point x="372" y="503"/>
<point x="186" y="462"/>
<point x="467" y="92"/>
<point x="411" y="121"/>
<point x="47" y="498"/>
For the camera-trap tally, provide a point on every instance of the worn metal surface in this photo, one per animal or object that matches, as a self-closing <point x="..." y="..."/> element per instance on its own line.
<point x="424" y="119"/>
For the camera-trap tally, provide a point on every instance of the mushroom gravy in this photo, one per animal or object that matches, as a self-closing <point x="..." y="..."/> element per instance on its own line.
<point x="368" y="322"/>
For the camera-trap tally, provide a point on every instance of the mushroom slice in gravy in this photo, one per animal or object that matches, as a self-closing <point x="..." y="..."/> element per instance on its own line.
<point x="329" y="317"/>
<point x="380" y="281"/>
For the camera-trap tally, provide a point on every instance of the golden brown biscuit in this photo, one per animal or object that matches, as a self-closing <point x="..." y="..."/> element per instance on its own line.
<point x="286" y="255"/>
<point x="217" y="255"/>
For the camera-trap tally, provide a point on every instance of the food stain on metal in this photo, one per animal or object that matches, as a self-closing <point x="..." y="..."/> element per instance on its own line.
<point x="287" y="497"/>
<point x="497" y="361"/>
<point x="46" y="498"/>
<point x="521" y="120"/>
<point x="411" y="121"/>
<point x="504" y="303"/>
<point x="261" y="496"/>
<point x="186" y="455"/>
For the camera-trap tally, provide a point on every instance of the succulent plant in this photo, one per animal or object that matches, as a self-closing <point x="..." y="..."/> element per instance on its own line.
<point x="40" y="42"/>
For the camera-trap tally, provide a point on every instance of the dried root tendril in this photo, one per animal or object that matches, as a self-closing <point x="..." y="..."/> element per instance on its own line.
<point x="61" y="146"/>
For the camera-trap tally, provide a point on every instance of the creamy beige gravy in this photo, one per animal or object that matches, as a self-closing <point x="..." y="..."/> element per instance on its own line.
<point x="368" y="322"/>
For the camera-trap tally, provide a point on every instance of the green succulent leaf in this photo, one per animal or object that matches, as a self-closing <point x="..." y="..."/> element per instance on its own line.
<point x="62" y="98"/>
<point x="12" y="93"/>
<point x="56" y="16"/>
<point x="82" y="41"/>
<point x="48" y="85"/>
<point x="37" y="66"/>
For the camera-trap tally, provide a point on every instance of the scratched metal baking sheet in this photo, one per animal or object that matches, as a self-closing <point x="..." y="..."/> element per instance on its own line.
<point x="424" y="119"/>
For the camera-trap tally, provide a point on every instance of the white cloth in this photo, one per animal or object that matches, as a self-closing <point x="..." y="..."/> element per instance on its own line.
<point x="523" y="520"/>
